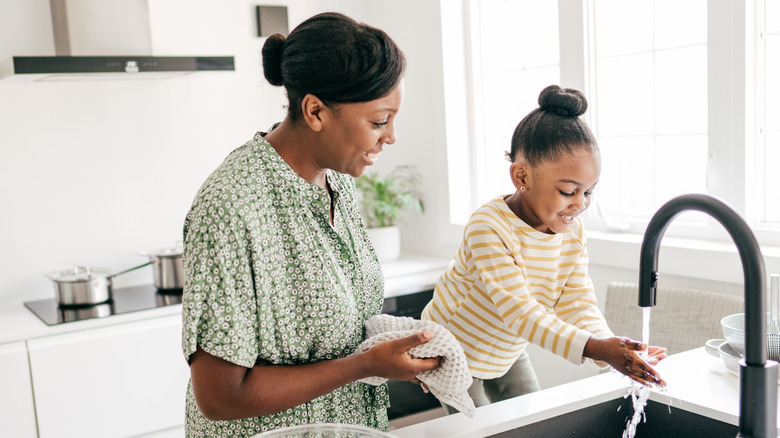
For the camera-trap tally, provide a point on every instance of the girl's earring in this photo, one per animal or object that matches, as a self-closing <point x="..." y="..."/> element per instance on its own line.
<point x="522" y="188"/>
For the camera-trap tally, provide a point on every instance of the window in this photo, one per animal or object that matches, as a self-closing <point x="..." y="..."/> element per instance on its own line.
<point x="672" y="86"/>
<point x="650" y="102"/>
<point x="768" y="157"/>
<point x="507" y="81"/>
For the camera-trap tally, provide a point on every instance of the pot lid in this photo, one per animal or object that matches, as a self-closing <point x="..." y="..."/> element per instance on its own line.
<point x="78" y="274"/>
<point x="175" y="251"/>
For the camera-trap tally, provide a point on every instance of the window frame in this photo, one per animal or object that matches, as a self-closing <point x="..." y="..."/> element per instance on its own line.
<point x="734" y="41"/>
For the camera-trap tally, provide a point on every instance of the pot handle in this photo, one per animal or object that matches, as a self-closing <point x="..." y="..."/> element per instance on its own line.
<point x="131" y="269"/>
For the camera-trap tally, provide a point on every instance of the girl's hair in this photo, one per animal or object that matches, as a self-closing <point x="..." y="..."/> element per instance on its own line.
<point x="553" y="130"/>
<point x="334" y="58"/>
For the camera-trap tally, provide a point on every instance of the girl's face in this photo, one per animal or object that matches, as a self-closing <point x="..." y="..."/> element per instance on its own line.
<point x="355" y="133"/>
<point x="550" y="195"/>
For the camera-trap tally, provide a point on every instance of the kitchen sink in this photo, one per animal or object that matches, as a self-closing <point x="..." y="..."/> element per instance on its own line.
<point x="609" y="419"/>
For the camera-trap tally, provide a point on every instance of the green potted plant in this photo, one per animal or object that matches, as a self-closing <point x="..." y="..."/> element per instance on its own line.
<point x="383" y="200"/>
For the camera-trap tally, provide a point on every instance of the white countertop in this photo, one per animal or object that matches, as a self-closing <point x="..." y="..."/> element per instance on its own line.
<point x="696" y="382"/>
<point x="411" y="273"/>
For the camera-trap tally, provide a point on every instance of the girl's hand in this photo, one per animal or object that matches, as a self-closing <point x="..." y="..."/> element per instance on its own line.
<point x="656" y="354"/>
<point x="391" y="359"/>
<point x="623" y="355"/>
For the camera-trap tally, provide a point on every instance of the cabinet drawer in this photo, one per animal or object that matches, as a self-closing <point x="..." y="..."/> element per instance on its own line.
<point x="17" y="414"/>
<point x="116" y="381"/>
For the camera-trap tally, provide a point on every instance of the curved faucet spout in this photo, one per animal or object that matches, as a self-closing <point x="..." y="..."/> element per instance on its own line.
<point x="749" y="252"/>
<point x="758" y="378"/>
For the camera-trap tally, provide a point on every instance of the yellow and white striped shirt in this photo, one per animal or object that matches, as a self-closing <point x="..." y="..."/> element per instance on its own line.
<point x="510" y="284"/>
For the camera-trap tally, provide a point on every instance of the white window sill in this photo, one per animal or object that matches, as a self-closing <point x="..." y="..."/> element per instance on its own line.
<point x="710" y="260"/>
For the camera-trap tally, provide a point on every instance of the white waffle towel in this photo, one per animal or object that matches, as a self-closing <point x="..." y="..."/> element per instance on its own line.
<point x="450" y="381"/>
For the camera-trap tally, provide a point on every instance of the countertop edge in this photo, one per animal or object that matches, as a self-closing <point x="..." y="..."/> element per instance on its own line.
<point x="697" y="382"/>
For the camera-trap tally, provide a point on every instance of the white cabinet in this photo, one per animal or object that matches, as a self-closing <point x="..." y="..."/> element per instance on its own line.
<point x="115" y="381"/>
<point x="17" y="414"/>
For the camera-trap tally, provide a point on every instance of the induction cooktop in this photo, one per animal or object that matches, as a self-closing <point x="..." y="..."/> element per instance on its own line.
<point x="124" y="300"/>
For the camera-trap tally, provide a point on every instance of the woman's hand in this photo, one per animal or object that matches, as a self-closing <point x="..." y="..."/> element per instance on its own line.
<point x="391" y="359"/>
<point x="623" y="355"/>
<point x="226" y="391"/>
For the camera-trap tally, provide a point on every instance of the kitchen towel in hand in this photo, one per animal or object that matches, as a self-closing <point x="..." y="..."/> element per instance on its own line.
<point x="450" y="381"/>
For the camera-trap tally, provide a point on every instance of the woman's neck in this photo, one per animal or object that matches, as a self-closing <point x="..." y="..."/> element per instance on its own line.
<point x="294" y="143"/>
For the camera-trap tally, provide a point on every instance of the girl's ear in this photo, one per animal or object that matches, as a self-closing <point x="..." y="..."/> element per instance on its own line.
<point x="312" y="109"/>
<point x="518" y="171"/>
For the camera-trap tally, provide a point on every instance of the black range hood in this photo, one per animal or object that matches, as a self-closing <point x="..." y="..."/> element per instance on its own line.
<point x="119" y="64"/>
<point x="96" y="39"/>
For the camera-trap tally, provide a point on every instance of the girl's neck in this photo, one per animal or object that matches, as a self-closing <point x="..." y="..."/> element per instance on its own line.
<point x="521" y="210"/>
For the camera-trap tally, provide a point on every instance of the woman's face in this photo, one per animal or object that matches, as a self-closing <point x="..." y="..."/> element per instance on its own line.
<point x="557" y="192"/>
<point x="357" y="132"/>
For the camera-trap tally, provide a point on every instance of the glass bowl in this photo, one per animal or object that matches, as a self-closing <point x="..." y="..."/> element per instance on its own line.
<point x="325" y="430"/>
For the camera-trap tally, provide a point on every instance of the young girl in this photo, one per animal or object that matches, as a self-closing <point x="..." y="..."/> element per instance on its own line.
<point x="520" y="274"/>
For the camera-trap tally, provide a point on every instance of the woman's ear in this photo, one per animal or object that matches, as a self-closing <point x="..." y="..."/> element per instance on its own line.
<point x="518" y="171"/>
<point x="312" y="108"/>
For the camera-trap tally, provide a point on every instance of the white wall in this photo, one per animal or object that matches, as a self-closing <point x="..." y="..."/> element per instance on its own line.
<point x="93" y="171"/>
<point x="416" y="27"/>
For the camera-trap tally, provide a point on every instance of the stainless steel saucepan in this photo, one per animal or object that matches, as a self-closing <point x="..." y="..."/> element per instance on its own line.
<point x="167" y="267"/>
<point x="84" y="285"/>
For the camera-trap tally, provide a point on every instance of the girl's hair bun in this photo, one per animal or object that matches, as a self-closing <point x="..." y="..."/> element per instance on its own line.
<point x="563" y="101"/>
<point x="272" y="58"/>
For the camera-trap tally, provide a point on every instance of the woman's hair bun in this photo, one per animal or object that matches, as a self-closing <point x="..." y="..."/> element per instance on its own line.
<point x="272" y="58"/>
<point x="563" y="101"/>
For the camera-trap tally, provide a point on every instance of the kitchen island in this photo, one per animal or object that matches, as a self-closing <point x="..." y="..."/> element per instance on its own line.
<point x="696" y="382"/>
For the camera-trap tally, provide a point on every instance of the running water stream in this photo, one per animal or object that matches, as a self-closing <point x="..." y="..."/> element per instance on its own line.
<point x="639" y="393"/>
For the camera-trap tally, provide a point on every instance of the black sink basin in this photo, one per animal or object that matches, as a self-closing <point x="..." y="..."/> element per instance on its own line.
<point x="609" y="419"/>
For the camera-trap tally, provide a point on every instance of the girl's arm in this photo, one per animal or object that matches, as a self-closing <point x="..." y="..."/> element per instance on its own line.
<point x="226" y="391"/>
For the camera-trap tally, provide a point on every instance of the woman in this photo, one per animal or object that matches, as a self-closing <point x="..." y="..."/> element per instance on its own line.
<point x="280" y="275"/>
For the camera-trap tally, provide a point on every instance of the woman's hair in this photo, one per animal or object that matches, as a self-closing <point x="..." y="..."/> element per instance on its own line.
<point x="553" y="130"/>
<point x="334" y="58"/>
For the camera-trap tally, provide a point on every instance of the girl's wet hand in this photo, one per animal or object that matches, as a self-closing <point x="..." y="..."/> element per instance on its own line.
<point x="623" y="355"/>
<point x="655" y="354"/>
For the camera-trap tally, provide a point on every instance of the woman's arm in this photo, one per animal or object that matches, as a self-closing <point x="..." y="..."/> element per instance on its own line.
<point x="226" y="391"/>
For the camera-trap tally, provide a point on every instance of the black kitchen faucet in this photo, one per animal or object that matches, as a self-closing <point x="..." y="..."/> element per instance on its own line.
<point x="758" y="377"/>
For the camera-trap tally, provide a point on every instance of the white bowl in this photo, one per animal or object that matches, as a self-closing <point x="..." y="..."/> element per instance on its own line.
<point x="730" y="358"/>
<point x="720" y="348"/>
<point x="733" y="327"/>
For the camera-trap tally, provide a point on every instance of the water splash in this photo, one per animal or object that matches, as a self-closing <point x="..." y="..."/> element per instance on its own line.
<point x="639" y="394"/>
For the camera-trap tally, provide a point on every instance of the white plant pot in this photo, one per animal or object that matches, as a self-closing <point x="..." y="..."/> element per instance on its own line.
<point x="387" y="242"/>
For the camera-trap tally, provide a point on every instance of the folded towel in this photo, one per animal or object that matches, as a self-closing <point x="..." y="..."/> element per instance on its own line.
<point x="450" y="381"/>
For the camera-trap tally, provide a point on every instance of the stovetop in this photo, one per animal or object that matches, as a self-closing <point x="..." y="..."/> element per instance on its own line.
<point x="124" y="300"/>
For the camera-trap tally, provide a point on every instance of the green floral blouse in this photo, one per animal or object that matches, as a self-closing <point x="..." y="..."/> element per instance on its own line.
<point x="268" y="280"/>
